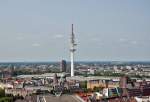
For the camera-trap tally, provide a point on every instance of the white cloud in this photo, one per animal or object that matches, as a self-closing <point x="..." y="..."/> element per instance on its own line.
<point x="95" y="39"/>
<point x="123" y="40"/>
<point x="36" y="44"/>
<point x="134" y="42"/>
<point x="19" y="38"/>
<point x="58" y="36"/>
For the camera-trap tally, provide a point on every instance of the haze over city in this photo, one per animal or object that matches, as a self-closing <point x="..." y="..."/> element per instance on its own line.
<point x="36" y="30"/>
<point x="75" y="51"/>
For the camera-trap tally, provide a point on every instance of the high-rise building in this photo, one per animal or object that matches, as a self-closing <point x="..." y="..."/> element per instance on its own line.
<point x="63" y="66"/>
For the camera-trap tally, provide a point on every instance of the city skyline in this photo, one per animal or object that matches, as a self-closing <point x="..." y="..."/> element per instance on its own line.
<point x="105" y="31"/>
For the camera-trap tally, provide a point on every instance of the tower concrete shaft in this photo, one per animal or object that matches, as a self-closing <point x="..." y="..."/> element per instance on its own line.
<point x="72" y="50"/>
<point x="72" y="63"/>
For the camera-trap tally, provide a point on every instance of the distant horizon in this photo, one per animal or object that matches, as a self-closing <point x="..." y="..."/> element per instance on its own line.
<point x="67" y="61"/>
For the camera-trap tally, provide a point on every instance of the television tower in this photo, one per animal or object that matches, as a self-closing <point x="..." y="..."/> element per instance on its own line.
<point x="72" y="50"/>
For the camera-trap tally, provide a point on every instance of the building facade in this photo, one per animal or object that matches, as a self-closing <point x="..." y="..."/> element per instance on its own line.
<point x="63" y="66"/>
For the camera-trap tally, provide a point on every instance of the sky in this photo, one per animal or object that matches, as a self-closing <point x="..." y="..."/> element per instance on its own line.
<point x="105" y="30"/>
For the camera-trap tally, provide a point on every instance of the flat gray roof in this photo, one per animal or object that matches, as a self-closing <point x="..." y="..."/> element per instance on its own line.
<point x="63" y="98"/>
<point x="41" y="75"/>
<point x="82" y="78"/>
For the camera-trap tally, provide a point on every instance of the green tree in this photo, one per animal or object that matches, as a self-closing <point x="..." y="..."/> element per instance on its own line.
<point x="6" y="99"/>
<point x="83" y="84"/>
<point x="2" y="92"/>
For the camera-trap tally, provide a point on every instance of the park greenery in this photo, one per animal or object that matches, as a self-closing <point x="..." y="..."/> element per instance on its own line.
<point x="8" y="98"/>
<point x="4" y="98"/>
<point x="111" y="74"/>
<point x="108" y="73"/>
